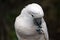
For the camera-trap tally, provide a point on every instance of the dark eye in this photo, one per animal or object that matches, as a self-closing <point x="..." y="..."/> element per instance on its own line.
<point x="32" y="16"/>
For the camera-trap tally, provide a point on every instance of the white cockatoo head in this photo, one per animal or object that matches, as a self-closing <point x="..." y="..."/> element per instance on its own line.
<point x="34" y="9"/>
<point x="33" y="12"/>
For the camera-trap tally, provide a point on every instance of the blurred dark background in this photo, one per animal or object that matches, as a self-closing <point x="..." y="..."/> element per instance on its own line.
<point x="9" y="9"/>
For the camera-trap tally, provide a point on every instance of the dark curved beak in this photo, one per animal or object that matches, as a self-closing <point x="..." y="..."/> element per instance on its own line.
<point x="38" y="22"/>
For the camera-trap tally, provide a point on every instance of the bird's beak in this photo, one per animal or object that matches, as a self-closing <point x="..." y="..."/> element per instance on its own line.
<point x="37" y="22"/>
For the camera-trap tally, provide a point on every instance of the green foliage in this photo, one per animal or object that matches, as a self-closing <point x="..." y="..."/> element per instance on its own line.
<point x="10" y="19"/>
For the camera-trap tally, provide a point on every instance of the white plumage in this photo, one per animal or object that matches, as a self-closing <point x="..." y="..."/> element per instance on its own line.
<point x="24" y="23"/>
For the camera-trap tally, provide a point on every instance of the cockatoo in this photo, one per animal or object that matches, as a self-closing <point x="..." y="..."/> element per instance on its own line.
<point x="30" y="24"/>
